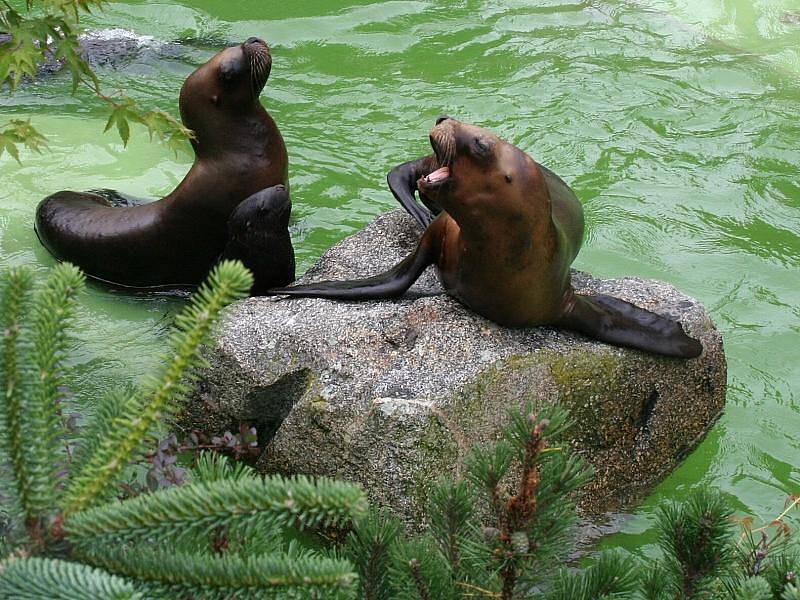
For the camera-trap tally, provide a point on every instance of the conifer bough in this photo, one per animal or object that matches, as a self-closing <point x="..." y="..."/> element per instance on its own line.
<point x="191" y="541"/>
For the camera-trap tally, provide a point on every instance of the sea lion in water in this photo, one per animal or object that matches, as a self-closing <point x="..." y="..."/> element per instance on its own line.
<point x="503" y="243"/>
<point x="174" y="242"/>
<point x="258" y="235"/>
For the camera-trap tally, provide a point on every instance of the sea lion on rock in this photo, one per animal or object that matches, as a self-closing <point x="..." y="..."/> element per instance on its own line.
<point x="258" y="235"/>
<point x="174" y="242"/>
<point x="503" y="243"/>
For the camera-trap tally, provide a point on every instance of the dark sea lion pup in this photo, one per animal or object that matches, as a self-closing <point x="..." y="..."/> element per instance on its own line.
<point x="258" y="235"/>
<point x="503" y="243"/>
<point x="173" y="242"/>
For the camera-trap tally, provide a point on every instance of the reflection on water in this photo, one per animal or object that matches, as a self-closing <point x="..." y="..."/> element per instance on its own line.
<point x="677" y="121"/>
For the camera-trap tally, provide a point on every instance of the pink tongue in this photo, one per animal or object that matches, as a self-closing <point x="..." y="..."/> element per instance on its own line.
<point x="438" y="175"/>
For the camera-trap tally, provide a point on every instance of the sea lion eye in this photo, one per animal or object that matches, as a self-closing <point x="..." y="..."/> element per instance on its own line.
<point x="229" y="72"/>
<point x="482" y="147"/>
<point x="509" y="179"/>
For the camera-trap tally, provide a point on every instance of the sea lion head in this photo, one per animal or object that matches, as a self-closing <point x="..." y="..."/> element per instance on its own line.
<point x="227" y="86"/>
<point x="261" y="215"/>
<point x="258" y="235"/>
<point x="479" y="173"/>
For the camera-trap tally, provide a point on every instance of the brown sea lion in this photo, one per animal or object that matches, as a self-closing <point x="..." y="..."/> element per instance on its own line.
<point x="507" y="231"/>
<point x="258" y="236"/>
<point x="173" y="242"/>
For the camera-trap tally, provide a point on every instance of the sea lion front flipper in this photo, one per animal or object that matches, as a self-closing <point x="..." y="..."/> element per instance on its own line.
<point x="402" y="182"/>
<point x="389" y="284"/>
<point x="621" y="323"/>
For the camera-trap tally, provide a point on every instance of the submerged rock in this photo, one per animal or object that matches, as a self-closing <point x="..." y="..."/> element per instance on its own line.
<point x="109" y="48"/>
<point x="393" y="394"/>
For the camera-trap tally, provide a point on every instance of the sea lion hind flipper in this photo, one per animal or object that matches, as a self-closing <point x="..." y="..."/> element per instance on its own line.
<point x="389" y="284"/>
<point x="402" y="182"/>
<point x="621" y="323"/>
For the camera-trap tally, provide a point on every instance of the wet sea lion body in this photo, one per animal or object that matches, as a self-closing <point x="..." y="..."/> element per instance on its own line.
<point x="174" y="242"/>
<point x="505" y="236"/>
<point x="258" y="235"/>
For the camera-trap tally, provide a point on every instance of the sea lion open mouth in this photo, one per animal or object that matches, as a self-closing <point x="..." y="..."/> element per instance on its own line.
<point x="258" y="55"/>
<point x="438" y="177"/>
<point x="443" y="142"/>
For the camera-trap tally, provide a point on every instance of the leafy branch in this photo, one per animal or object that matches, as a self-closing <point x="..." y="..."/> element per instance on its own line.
<point x="18" y="132"/>
<point x="50" y="35"/>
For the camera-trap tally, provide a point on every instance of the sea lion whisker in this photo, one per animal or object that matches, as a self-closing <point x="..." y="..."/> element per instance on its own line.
<point x="251" y="60"/>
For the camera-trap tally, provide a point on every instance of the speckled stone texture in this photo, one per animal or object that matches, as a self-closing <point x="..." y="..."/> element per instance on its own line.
<point x="393" y="394"/>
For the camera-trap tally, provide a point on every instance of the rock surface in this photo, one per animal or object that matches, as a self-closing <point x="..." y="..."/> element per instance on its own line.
<point x="393" y="394"/>
<point x="109" y="48"/>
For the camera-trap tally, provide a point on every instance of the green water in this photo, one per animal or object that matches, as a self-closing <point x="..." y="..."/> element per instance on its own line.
<point x="677" y="122"/>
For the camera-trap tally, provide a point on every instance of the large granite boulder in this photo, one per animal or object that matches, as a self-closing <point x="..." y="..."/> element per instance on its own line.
<point x="393" y="394"/>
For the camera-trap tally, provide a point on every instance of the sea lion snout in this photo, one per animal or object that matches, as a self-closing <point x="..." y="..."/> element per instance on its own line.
<point x="257" y="53"/>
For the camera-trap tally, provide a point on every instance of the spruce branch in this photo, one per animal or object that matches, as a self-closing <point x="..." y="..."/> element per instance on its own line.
<point x="53" y="313"/>
<point x="419" y="571"/>
<point x="16" y="283"/>
<point x="612" y="576"/>
<point x="37" y="578"/>
<point x="451" y="512"/>
<point x="228" y="281"/>
<point x="515" y="543"/>
<point x="368" y="547"/>
<point x="695" y="537"/>
<point x="486" y="467"/>
<point x="171" y="574"/>
<point x="213" y="466"/>
<point x="110" y="406"/>
<point x="421" y="585"/>
<point x="200" y="507"/>
<point x="753" y="588"/>
<point x="31" y="385"/>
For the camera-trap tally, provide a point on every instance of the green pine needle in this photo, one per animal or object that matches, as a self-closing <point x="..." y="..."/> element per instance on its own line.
<point x="228" y="282"/>
<point x="37" y="578"/>
<point x="204" y="507"/>
<point x="754" y="588"/>
<point x="171" y="574"/>
<point x="109" y="407"/>
<point x="368" y="547"/>
<point x="53" y="313"/>
<point x="420" y="572"/>
<point x="213" y="466"/>
<point x="31" y="377"/>
<point x="695" y="536"/>
<point x="16" y="283"/>
<point x="452" y="507"/>
<point x="791" y="593"/>
<point x="612" y="576"/>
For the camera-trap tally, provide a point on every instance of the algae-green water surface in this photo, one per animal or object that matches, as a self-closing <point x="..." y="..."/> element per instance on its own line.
<point x="676" y="121"/>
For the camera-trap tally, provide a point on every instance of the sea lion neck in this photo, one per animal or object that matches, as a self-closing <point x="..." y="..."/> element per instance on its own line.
<point x="251" y="132"/>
